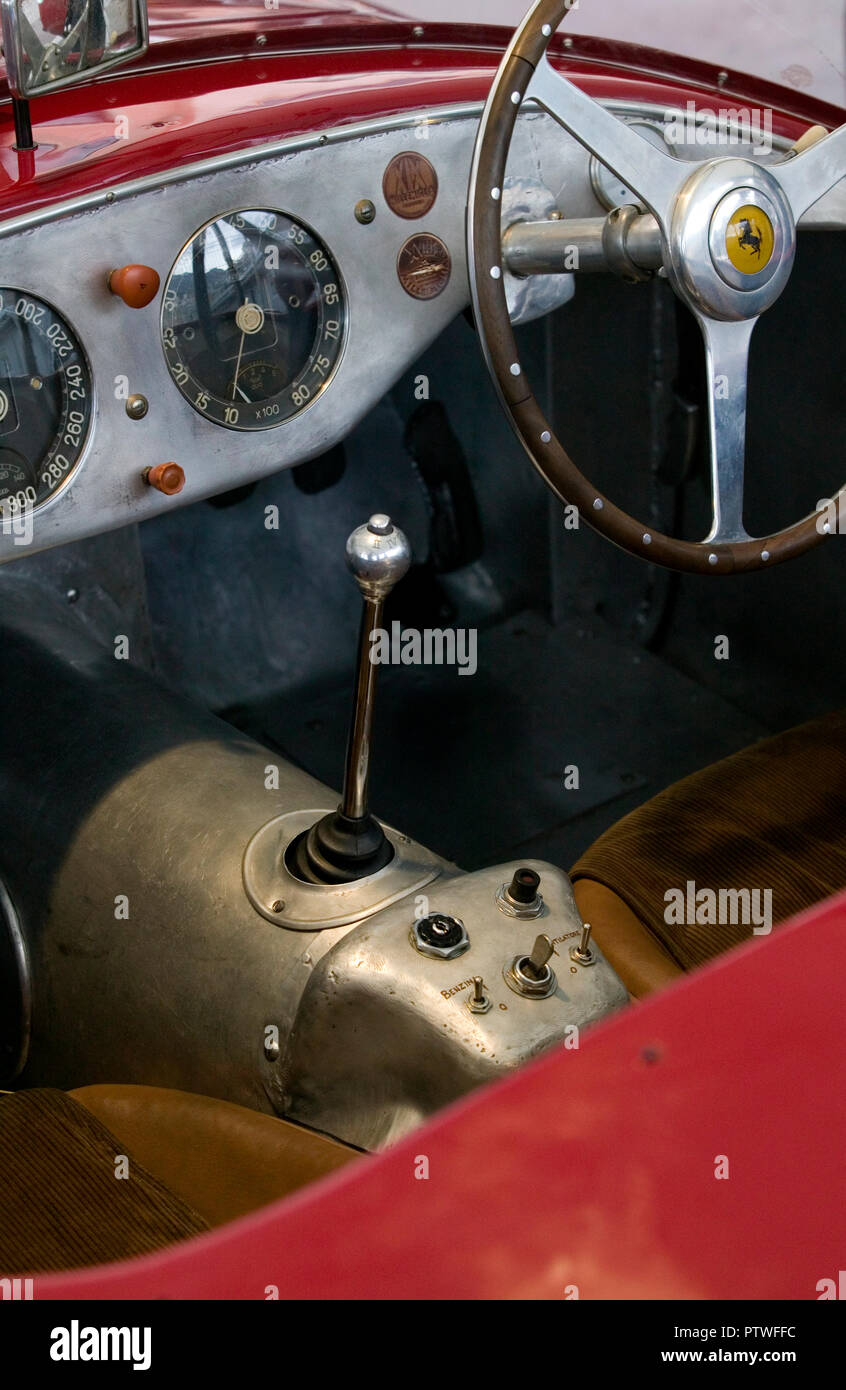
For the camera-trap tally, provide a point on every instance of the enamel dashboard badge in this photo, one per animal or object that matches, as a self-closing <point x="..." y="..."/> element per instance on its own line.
<point x="750" y="239"/>
<point x="424" y="266"/>
<point x="410" y="185"/>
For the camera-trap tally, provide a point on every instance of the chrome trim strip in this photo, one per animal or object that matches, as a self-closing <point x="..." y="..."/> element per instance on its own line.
<point x="290" y="145"/>
<point x="256" y="154"/>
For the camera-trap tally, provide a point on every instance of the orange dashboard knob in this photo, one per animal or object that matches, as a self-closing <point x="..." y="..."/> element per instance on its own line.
<point x="136" y="285"/>
<point x="169" y="478"/>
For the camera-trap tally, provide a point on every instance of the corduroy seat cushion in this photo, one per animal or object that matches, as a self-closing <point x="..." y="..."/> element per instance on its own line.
<point x="769" y="820"/>
<point x="192" y="1163"/>
<point x="62" y="1204"/>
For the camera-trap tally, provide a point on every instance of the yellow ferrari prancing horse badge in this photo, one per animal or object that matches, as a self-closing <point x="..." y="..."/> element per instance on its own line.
<point x="750" y="239"/>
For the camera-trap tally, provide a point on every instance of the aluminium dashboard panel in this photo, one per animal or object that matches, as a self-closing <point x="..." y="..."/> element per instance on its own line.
<point x="66" y="261"/>
<point x="64" y="255"/>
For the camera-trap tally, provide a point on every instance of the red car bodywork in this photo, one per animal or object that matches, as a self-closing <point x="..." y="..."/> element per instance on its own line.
<point x="222" y="77"/>
<point x="591" y="1170"/>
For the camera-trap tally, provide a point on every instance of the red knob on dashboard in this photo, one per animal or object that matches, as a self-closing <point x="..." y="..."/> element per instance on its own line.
<point x="169" y="478"/>
<point x="136" y="285"/>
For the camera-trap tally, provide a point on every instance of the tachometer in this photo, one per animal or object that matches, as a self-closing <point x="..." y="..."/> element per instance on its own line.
<point x="253" y="319"/>
<point x="45" y="401"/>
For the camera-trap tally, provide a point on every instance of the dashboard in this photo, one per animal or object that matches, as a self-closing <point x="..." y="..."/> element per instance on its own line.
<point x="294" y="285"/>
<point x="267" y="300"/>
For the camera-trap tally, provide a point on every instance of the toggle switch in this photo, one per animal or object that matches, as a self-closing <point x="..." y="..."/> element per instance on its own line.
<point x="532" y="976"/>
<point x="582" y="954"/>
<point x="541" y="953"/>
<point x="168" y="478"/>
<point x="479" y="1003"/>
<point x="136" y="285"/>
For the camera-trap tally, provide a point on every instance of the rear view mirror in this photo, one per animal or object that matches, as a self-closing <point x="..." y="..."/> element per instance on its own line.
<point x="53" y="43"/>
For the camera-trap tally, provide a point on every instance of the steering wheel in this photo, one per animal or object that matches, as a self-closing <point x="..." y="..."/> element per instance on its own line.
<point x="728" y="234"/>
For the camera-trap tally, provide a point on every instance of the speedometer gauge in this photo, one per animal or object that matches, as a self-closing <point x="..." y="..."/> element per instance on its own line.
<point x="253" y="319"/>
<point x="45" y="401"/>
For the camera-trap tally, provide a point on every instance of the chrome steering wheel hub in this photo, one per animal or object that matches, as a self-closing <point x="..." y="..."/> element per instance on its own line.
<point x="732" y="240"/>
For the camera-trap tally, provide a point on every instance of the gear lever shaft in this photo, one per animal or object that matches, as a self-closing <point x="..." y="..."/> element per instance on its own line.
<point x="349" y="843"/>
<point x="378" y="555"/>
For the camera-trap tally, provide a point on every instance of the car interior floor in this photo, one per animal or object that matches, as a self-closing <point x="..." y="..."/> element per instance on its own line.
<point x="587" y="681"/>
<point x="595" y="681"/>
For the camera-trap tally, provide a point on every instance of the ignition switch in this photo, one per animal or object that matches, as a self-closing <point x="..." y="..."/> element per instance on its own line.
<point x="440" y="936"/>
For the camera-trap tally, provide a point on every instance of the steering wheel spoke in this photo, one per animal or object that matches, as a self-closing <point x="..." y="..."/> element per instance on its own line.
<point x="727" y="356"/>
<point x="807" y="177"/>
<point x="655" y="176"/>
<point x="727" y="243"/>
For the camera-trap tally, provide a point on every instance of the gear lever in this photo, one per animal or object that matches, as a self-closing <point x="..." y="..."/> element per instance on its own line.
<point x="349" y="843"/>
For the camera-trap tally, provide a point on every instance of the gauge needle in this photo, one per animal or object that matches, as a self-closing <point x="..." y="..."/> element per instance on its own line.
<point x="428" y="269"/>
<point x="235" y="386"/>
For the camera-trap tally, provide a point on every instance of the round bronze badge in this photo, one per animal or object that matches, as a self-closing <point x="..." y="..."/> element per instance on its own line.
<point x="424" y="266"/>
<point x="410" y="185"/>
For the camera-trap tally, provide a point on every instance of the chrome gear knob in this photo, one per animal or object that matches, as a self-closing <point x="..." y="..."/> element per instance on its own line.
<point x="378" y="556"/>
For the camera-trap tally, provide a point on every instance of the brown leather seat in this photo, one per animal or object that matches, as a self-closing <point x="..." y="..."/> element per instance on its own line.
<point x="765" y="828"/>
<point x="110" y="1172"/>
<point x="638" y="958"/>
<point x="222" y="1159"/>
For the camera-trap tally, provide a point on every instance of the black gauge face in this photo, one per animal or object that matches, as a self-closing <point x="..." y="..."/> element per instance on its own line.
<point x="45" y="402"/>
<point x="253" y="320"/>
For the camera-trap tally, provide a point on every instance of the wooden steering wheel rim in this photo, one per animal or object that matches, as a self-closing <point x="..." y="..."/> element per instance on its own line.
<point x="559" y="472"/>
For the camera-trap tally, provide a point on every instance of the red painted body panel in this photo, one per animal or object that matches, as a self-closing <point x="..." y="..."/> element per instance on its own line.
<point x="207" y="86"/>
<point x="593" y="1168"/>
